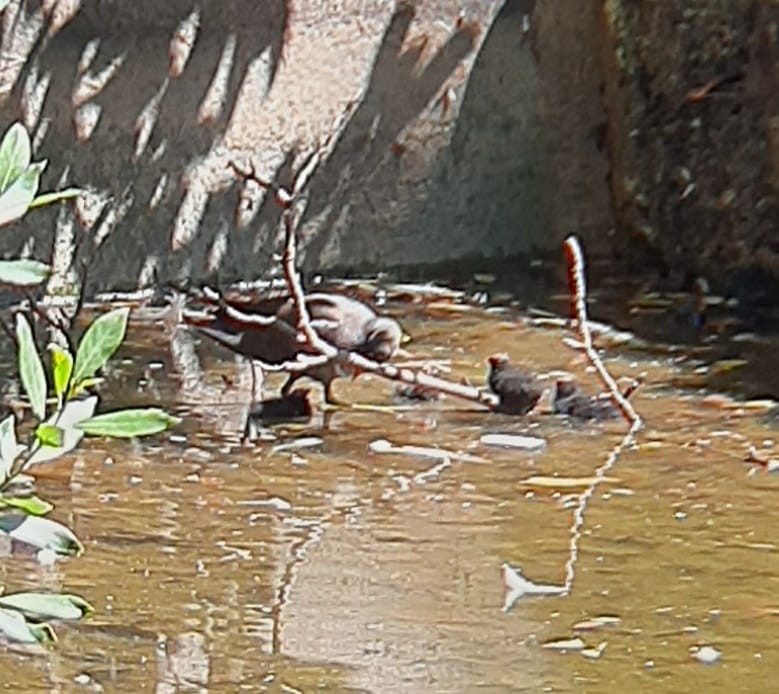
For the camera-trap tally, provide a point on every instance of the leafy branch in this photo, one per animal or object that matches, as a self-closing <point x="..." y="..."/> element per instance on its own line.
<point x="62" y="421"/>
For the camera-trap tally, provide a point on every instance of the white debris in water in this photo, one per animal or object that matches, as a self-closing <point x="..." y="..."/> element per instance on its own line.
<point x="404" y="483"/>
<point x="517" y="586"/>
<point x="383" y="446"/>
<point x="433" y="472"/>
<point x="595" y="653"/>
<point x="274" y="502"/>
<point x="305" y="442"/>
<point x="574" y="644"/>
<point x="708" y="655"/>
<point x="531" y="444"/>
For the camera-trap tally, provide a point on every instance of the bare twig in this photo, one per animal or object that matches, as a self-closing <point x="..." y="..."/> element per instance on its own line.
<point x="326" y="352"/>
<point x="578" y="299"/>
<point x="575" y="257"/>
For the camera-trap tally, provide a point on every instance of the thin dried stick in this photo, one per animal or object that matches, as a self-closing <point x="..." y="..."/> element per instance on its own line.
<point x="326" y="352"/>
<point x="575" y="257"/>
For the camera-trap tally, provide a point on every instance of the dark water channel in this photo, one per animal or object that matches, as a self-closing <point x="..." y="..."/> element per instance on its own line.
<point x="223" y="567"/>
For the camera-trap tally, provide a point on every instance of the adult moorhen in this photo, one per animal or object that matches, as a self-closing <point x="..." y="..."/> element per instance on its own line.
<point x="345" y="323"/>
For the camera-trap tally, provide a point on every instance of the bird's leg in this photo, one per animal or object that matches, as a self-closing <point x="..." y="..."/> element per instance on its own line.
<point x="330" y="399"/>
<point x="254" y="382"/>
<point x="287" y="387"/>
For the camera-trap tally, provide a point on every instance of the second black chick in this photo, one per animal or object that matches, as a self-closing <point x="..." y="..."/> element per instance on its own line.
<point x="570" y="400"/>
<point x="517" y="388"/>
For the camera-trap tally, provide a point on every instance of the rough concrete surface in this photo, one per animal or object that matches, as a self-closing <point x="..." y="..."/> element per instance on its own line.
<point x="692" y="91"/>
<point x="454" y="130"/>
<point x="145" y="103"/>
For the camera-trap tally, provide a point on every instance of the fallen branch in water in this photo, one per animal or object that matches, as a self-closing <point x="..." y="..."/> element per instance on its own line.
<point x="515" y="583"/>
<point x="578" y="284"/>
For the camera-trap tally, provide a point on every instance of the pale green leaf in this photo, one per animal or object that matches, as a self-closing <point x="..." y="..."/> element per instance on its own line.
<point x="42" y="606"/>
<point x="129" y="423"/>
<point x="15" y="201"/>
<point x="62" y="368"/>
<point x="50" y="435"/>
<point x="17" y="628"/>
<point x="15" y="153"/>
<point x="9" y="448"/>
<point x="75" y="411"/>
<point x="41" y="533"/>
<point x="99" y="342"/>
<point x="31" y="368"/>
<point x="55" y="196"/>
<point x="23" y="273"/>
<point x="31" y="505"/>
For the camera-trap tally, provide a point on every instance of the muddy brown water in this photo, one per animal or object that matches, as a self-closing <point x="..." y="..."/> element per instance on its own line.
<point x="330" y="568"/>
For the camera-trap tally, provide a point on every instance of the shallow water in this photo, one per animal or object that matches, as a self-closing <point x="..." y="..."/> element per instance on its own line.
<point x="329" y="567"/>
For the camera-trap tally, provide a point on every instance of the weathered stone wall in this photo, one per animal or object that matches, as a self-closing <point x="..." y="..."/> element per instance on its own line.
<point x="457" y="129"/>
<point x="693" y="102"/>
<point x="446" y="123"/>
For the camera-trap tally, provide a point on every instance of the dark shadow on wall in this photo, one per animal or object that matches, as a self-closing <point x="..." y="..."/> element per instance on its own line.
<point x="397" y="93"/>
<point x="493" y="176"/>
<point x="493" y="180"/>
<point x="140" y="31"/>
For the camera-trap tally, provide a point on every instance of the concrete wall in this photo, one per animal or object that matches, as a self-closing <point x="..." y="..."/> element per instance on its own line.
<point x="456" y="129"/>
<point x="445" y="116"/>
<point x="692" y="92"/>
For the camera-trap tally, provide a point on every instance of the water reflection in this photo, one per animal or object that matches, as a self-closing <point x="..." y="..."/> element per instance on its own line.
<point x="218" y="566"/>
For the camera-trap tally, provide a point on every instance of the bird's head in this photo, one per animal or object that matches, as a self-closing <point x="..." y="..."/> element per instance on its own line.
<point x="564" y="388"/>
<point x="382" y="339"/>
<point x="497" y="360"/>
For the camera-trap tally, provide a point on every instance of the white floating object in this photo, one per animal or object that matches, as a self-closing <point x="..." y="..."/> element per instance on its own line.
<point x="708" y="655"/>
<point x="531" y="444"/>
<point x="517" y="586"/>
<point x="595" y="653"/>
<point x="384" y="446"/>
<point x="305" y="442"/>
<point x="597" y="623"/>
<point x="274" y="502"/>
<point x="574" y="644"/>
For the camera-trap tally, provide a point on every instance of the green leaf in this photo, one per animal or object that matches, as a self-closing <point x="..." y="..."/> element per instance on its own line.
<point x="99" y="342"/>
<point x="129" y="423"/>
<point x="9" y="448"/>
<point x="55" y="196"/>
<point x="50" y="435"/>
<point x="62" y="368"/>
<point x="16" y="628"/>
<point x="42" y="606"/>
<point x="23" y="273"/>
<point x="15" y="153"/>
<point x="42" y="533"/>
<point x="31" y="505"/>
<point x="75" y="411"/>
<point x="31" y="367"/>
<point x="15" y="201"/>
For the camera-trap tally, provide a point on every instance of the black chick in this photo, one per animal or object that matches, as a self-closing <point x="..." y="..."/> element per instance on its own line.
<point x="517" y="388"/>
<point x="570" y="400"/>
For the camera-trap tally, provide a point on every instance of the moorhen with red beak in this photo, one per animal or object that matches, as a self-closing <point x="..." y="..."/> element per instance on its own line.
<point x="517" y="388"/>
<point x="345" y="323"/>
